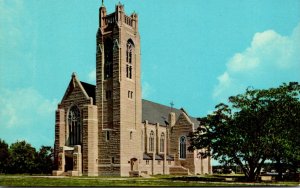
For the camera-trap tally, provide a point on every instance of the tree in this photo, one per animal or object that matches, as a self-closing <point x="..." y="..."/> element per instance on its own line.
<point x="22" y="157"/>
<point x="4" y="156"/>
<point x="258" y="125"/>
<point x="284" y="108"/>
<point x="44" y="160"/>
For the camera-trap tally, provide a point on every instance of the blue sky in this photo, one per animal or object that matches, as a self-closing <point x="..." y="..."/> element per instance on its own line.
<point x="195" y="53"/>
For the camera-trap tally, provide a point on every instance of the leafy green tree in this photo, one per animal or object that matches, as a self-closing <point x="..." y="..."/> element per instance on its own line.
<point x="285" y="110"/>
<point x="22" y="158"/>
<point x="4" y="156"/>
<point x="44" y="160"/>
<point x="258" y="125"/>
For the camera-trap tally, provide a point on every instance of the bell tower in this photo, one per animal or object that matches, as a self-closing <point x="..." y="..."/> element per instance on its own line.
<point x="118" y="92"/>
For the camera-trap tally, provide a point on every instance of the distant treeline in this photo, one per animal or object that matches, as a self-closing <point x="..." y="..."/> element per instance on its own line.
<point x="21" y="158"/>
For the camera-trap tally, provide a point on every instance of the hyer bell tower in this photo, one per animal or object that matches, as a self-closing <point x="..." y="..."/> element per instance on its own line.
<point x="118" y="92"/>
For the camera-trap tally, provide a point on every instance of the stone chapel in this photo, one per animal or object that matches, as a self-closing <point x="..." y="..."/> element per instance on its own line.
<point x="107" y="129"/>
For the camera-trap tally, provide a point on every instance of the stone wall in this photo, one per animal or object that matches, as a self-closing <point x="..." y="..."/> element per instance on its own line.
<point x="90" y="140"/>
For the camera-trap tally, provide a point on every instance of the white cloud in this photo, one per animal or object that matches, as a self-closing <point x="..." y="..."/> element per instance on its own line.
<point x="264" y="38"/>
<point x="270" y="60"/>
<point x="147" y="90"/>
<point x="224" y="82"/>
<point x="26" y="114"/>
<point x="242" y="62"/>
<point x="92" y="76"/>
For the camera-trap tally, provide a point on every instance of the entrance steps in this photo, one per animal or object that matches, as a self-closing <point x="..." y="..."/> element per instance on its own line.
<point x="145" y="174"/>
<point x="134" y="173"/>
<point x="179" y="170"/>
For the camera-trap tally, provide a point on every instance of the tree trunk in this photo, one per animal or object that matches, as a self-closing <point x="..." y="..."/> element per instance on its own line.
<point x="243" y="167"/>
<point x="254" y="172"/>
<point x="259" y="168"/>
<point x="251" y="177"/>
<point x="279" y="169"/>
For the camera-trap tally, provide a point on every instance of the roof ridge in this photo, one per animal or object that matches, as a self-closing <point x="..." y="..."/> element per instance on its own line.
<point x="160" y="104"/>
<point x="87" y="83"/>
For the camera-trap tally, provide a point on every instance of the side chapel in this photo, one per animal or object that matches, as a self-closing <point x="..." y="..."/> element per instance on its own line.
<point x="108" y="129"/>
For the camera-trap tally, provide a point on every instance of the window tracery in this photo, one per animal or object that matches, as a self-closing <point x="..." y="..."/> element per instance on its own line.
<point x="151" y="141"/>
<point x="129" y="58"/>
<point x="74" y="126"/>
<point x="162" y="142"/>
<point x="108" y="59"/>
<point x="182" y="147"/>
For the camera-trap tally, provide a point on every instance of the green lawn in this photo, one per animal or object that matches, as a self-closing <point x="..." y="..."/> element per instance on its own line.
<point x="14" y="180"/>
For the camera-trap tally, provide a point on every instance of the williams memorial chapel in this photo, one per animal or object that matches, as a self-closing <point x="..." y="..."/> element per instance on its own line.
<point x="107" y="129"/>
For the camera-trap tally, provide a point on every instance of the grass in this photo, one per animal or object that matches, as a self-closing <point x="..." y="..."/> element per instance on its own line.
<point x="19" y="180"/>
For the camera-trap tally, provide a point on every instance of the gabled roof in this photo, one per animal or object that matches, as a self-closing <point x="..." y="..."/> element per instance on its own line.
<point x="90" y="90"/>
<point x="158" y="113"/>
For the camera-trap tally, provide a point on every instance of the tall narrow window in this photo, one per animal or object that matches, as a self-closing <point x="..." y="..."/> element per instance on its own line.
<point x="108" y="59"/>
<point x="112" y="160"/>
<point x="130" y="94"/>
<point x="127" y="71"/>
<point x="129" y="58"/>
<point x="162" y="143"/>
<point x="129" y="51"/>
<point x="151" y="141"/>
<point x="182" y="147"/>
<point x="130" y="135"/>
<point x="107" y="136"/>
<point x="74" y="125"/>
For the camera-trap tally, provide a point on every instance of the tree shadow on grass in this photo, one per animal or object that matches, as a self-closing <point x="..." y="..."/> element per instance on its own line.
<point x="207" y="179"/>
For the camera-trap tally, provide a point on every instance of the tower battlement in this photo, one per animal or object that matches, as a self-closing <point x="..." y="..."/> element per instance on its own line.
<point x="118" y="17"/>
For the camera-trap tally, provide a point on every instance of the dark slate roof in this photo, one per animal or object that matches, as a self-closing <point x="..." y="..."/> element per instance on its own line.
<point x="169" y="158"/>
<point x="158" y="113"/>
<point x="158" y="157"/>
<point x="146" y="157"/>
<point x="149" y="156"/>
<point x="151" y="111"/>
<point x="90" y="90"/>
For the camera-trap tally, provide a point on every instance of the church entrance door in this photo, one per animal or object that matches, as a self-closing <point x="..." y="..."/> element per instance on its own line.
<point x="134" y="164"/>
<point x="69" y="160"/>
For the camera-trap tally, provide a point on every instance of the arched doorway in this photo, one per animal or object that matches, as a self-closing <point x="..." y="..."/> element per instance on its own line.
<point x="134" y="164"/>
<point x="68" y="160"/>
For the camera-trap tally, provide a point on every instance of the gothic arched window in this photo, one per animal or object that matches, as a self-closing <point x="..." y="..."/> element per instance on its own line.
<point x="151" y="141"/>
<point x="129" y="58"/>
<point x="74" y="126"/>
<point x="182" y="147"/>
<point x="108" y="59"/>
<point x="162" y="142"/>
